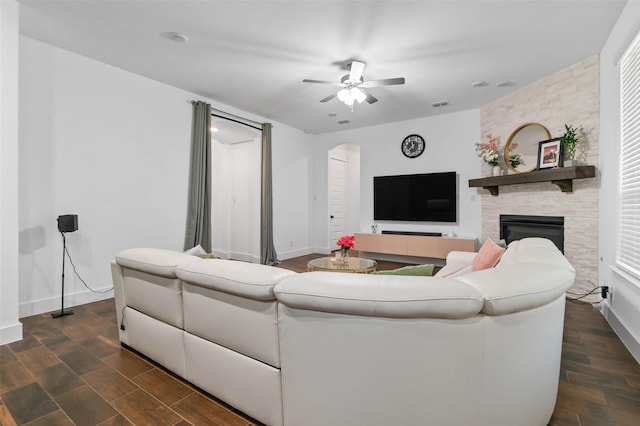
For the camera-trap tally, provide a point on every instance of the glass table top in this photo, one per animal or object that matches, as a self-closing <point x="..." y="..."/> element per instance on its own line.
<point x="354" y="264"/>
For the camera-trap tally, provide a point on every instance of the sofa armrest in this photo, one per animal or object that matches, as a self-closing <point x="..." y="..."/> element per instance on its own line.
<point x="521" y="286"/>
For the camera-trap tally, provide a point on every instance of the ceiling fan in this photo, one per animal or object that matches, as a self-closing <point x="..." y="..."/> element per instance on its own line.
<point x="353" y="84"/>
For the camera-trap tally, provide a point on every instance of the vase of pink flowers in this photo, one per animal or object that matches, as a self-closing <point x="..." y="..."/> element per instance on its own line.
<point x="345" y="242"/>
<point x="489" y="152"/>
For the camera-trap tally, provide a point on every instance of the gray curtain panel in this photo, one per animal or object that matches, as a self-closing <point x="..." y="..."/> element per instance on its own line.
<point x="268" y="255"/>
<point x="199" y="205"/>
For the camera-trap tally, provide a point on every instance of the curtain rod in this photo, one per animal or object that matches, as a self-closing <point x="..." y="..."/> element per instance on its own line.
<point x="236" y="121"/>
<point x="232" y="115"/>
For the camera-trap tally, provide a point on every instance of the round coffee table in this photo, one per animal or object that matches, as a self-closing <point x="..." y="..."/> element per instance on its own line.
<point x="356" y="265"/>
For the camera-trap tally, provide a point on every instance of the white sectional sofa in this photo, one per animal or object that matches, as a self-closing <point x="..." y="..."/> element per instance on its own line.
<point x="324" y="348"/>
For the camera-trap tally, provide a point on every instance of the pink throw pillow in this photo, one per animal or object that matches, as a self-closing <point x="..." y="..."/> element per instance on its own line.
<point x="487" y="257"/>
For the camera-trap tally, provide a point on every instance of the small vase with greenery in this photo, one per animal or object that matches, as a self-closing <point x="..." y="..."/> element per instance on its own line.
<point x="569" y="142"/>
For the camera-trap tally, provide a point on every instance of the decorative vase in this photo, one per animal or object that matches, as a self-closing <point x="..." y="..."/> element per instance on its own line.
<point x="570" y="163"/>
<point x="496" y="170"/>
<point x="344" y="254"/>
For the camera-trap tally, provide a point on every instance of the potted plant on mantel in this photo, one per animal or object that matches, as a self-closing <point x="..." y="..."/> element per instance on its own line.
<point x="570" y="141"/>
<point x="515" y="160"/>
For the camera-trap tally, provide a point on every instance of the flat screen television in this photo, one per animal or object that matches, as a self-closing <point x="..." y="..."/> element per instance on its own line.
<point x="428" y="197"/>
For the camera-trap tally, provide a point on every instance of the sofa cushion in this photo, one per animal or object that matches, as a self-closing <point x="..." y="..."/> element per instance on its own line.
<point x="487" y="257"/>
<point x="533" y="249"/>
<point x="456" y="260"/>
<point x="152" y="260"/>
<point x="415" y="270"/>
<point x="380" y="295"/>
<point x="240" y="278"/>
<point x="463" y="270"/>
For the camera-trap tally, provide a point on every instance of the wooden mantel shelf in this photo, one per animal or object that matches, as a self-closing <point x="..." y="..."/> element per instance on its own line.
<point x="561" y="176"/>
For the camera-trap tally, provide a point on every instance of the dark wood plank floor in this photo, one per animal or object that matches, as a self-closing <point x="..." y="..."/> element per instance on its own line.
<point x="72" y="370"/>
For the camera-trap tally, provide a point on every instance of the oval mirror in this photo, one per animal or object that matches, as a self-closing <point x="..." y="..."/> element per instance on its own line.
<point x="524" y="141"/>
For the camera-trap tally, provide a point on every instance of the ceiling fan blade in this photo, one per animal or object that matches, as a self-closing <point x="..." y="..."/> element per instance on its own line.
<point x="328" y="98"/>
<point x="355" y="75"/>
<point x="333" y="83"/>
<point x="384" y="82"/>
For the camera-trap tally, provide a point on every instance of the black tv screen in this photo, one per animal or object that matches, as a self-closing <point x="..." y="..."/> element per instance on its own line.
<point x="429" y="197"/>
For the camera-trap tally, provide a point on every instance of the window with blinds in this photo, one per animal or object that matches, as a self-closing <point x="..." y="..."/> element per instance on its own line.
<point x="629" y="243"/>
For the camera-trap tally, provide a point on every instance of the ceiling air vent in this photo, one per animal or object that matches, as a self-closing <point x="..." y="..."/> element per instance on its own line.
<point x="344" y="122"/>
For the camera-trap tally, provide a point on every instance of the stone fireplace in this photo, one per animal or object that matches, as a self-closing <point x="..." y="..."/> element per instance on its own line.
<point x="569" y="96"/>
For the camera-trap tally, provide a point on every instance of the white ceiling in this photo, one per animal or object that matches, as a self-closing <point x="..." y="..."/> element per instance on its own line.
<point x="253" y="55"/>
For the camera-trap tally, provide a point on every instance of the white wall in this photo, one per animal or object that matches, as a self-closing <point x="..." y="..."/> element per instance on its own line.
<point x="450" y="140"/>
<point x="104" y="144"/>
<point x="10" y="327"/>
<point x="622" y="308"/>
<point x="292" y="172"/>
<point x="220" y="196"/>
<point x="113" y="147"/>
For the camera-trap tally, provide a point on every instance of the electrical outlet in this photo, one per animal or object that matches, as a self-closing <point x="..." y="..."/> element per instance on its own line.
<point x="603" y="291"/>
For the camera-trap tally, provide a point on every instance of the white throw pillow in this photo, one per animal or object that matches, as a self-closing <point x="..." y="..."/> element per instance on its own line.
<point x="196" y="250"/>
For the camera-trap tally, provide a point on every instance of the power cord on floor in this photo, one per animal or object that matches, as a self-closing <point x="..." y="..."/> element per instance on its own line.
<point x="583" y="295"/>
<point x="66" y="250"/>
<point x="603" y="290"/>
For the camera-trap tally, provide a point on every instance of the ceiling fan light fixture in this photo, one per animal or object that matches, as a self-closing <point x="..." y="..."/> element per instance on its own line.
<point x="358" y="95"/>
<point x="351" y="86"/>
<point x="343" y="95"/>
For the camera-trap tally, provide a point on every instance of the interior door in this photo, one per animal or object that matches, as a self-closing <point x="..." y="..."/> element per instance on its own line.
<point x="337" y="199"/>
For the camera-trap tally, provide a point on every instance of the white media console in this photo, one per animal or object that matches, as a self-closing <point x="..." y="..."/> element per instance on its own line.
<point x="412" y="245"/>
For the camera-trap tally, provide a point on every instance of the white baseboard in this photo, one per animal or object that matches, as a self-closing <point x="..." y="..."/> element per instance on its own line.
<point x="320" y="250"/>
<point x="11" y="333"/>
<point x="623" y="333"/>
<point x="244" y="257"/>
<point x="294" y="253"/>
<point x="51" y="304"/>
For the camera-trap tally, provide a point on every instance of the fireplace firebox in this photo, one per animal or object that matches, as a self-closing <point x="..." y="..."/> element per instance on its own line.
<point x="516" y="227"/>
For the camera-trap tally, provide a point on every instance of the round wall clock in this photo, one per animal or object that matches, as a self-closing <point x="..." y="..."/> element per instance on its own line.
<point x="412" y="146"/>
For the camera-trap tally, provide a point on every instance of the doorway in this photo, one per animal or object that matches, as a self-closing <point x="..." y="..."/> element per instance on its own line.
<point x="337" y="196"/>
<point x="235" y="208"/>
<point x="343" y="187"/>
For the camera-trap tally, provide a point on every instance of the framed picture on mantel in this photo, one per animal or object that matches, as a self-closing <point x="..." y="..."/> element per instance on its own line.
<point x="549" y="154"/>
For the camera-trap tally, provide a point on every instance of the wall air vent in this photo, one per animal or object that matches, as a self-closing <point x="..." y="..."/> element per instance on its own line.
<point x="344" y="122"/>
<point x="440" y="104"/>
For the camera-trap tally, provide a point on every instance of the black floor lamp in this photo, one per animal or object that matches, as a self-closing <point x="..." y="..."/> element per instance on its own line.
<point x="66" y="223"/>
